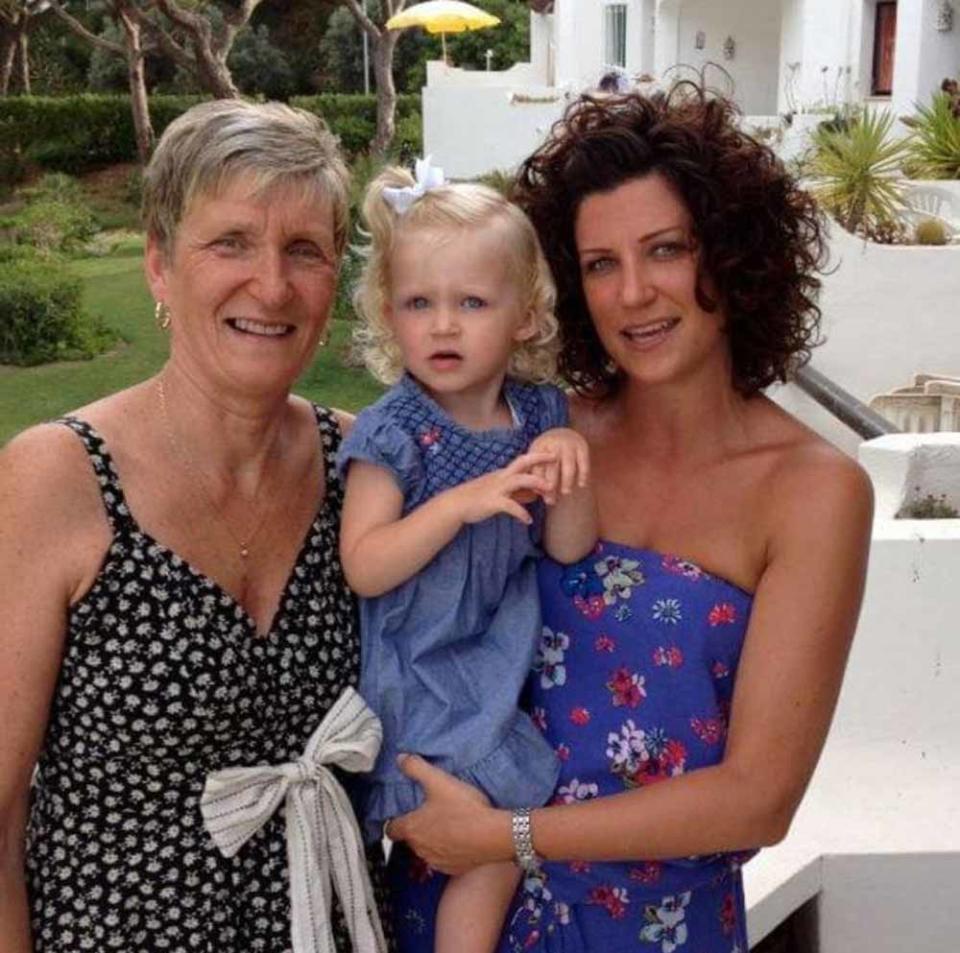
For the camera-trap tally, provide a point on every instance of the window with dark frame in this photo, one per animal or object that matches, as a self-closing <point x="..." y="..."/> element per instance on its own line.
<point x="615" y="34"/>
<point x="884" y="43"/>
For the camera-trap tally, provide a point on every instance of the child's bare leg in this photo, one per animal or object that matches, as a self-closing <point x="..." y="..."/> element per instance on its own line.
<point x="473" y="907"/>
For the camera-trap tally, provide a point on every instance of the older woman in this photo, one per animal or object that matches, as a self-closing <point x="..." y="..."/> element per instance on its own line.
<point x="172" y="600"/>
<point x="689" y="669"/>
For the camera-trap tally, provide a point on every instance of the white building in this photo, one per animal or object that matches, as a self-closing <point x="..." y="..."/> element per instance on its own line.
<point x="782" y="56"/>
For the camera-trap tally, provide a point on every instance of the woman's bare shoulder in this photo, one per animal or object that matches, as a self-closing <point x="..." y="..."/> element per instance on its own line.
<point x="44" y="452"/>
<point x="812" y="482"/>
<point x="51" y="512"/>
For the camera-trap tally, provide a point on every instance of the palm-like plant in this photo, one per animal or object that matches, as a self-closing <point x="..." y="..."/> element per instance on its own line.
<point x="856" y="169"/>
<point x="935" y="143"/>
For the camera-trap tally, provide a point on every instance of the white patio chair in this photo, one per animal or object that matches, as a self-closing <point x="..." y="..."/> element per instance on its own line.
<point x="930" y="202"/>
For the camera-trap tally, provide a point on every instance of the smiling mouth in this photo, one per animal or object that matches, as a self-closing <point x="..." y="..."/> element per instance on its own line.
<point x="647" y="333"/>
<point x="260" y="328"/>
<point x="444" y="356"/>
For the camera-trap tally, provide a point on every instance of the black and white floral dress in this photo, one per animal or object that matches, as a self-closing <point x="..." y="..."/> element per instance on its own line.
<point x="163" y="680"/>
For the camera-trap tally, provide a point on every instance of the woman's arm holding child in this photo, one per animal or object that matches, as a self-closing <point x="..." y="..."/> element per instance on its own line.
<point x="380" y="548"/>
<point x="570" y="531"/>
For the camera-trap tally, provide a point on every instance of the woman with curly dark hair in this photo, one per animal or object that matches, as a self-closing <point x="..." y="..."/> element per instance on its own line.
<point x="689" y="668"/>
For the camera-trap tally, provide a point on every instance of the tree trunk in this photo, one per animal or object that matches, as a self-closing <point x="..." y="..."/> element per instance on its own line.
<point x="23" y="46"/>
<point x="213" y="73"/>
<point x="8" y="50"/>
<point x="383" y="47"/>
<point x="139" y="104"/>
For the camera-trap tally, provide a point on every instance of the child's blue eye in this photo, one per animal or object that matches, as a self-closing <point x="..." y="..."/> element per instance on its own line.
<point x="417" y="303"/>
<point x="472" y="303"/>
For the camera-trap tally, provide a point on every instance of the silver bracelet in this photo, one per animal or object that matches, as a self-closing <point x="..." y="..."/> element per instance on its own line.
<point x="525" y="857"/>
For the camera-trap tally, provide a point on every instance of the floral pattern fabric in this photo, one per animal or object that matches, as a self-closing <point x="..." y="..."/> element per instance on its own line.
<point x="631" y="685"/>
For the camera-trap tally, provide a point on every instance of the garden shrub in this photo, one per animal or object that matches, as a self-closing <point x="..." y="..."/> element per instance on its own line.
<point x="56" y="217"/>
<point x="41" y="315"/>
<point x="935" y="143"/>
<point x="353" y="117"/>
<point x="75" y="133"/>
<point x="930" y="232"/>
<point x="928" y="507"/>
<point x="56" y="186"/>
<point x="855" y="171"/>
<point x="13" y="167"/>
<point x="11" y="252"/>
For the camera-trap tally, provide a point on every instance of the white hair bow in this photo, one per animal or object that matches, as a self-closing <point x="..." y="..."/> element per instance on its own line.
<point x="428" y="177"/>
<point x="324" y="848"/>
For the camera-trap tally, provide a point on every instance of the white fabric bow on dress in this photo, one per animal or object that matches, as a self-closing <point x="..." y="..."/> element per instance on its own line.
<point x="427" y="178"/>
<point x="324" y="847"/>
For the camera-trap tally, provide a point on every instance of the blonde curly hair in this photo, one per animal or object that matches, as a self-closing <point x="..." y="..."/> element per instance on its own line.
<point x="455" y="206"/>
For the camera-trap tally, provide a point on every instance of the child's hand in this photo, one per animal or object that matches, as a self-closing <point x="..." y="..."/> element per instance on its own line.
<point x="569" y="468"/>
<point x="499" y="491"/>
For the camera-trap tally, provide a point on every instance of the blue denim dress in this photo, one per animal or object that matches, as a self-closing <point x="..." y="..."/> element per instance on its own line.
<point x="445" y="654"/>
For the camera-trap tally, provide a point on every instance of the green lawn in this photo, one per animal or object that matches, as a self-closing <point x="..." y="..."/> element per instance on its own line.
<point x="115" y="289"/>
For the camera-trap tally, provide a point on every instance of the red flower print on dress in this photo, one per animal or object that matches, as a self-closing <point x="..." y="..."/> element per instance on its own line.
<point x="711" y="731"/>
<point x="592" y="607"/>
<point x="563" y="752"/>
<point x="641" y="757"/>
<point x="539" y="718"/>
<point x="627" y="688"/>
<point x="719" y="669"/>
<point x="649" y="873"/>
<point x="723" y="613"/>
<point x="579" y="866"/>
<point x="728" y="915"/>
<point x="613" y="899"/>
<point x="604" y="644"/>
<point x="674" y="756"/>
<point x="580" y="716"/>
<point x="669" y="655"/>
<point x="682" y="567"/>
<point x="430" y="439"/>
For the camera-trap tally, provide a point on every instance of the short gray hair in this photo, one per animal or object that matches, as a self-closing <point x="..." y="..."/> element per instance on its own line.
<point x="211" y="143"/>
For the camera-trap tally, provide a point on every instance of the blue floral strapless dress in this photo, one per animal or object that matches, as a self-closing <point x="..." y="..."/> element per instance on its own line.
<point x="632" y="684"/>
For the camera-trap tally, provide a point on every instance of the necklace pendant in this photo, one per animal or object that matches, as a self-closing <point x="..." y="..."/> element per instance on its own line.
<point x="244" y="552"/>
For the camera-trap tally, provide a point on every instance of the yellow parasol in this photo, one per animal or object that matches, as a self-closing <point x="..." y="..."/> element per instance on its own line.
<point x="443" y="17"/>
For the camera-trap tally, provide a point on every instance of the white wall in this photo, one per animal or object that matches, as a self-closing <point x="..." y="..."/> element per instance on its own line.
<point x="791" y="55"/>
<point x="543" y="48"/>
<point x="889" y="903"/>
<point x="877" y="837"/>
<point x="581" y="40"/>
<point x="473" y="129"/>
<point x="888" y="312"/>
<point x="755" y="28"/>
<point x="828" y="48"/>
<point x="924" y="56"/>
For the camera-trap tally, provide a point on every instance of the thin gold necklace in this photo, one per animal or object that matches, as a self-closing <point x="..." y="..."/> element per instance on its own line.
<point x="244" y="542"/>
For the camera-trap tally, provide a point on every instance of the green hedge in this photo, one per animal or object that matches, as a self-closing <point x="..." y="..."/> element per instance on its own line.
<point x="353" y="118"/>
<point x="72" y="133"/>
<point x="41" y="315"/>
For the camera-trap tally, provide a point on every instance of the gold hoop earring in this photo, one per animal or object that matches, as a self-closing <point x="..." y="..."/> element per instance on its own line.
<point x="161" y="314"/>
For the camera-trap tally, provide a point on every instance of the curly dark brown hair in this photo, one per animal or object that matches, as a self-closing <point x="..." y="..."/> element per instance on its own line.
<point x="759" y="234"/>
